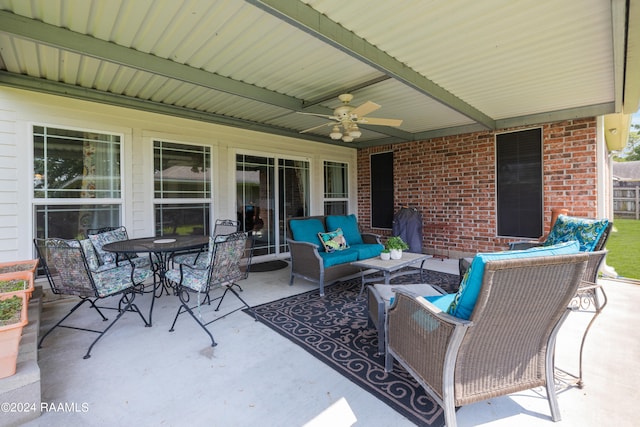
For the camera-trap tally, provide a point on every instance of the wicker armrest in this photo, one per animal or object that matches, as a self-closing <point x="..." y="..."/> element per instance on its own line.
<point x="422" y="336"/>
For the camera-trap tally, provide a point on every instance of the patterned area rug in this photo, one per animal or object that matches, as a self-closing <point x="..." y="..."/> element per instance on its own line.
<point x="336" y="330"/>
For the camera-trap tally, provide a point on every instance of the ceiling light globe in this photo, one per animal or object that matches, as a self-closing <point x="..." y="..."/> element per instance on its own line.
<point x="347" y="138"/>
<point x="335" y="133"/>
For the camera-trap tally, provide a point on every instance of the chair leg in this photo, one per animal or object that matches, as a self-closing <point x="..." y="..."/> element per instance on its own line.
<point x="127" y="298"/>
<point x="74" y="308"/>
<point x="230" y="288"/>
<point x="184" y="307"/>
<point x="598" y="307"/>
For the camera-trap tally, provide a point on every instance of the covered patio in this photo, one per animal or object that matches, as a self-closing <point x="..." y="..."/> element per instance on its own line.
<point x="149" y="376"/>
<point x="242" y="83"/>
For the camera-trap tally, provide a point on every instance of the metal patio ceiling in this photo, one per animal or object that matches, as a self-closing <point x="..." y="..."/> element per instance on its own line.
<point x="443" y="66"/>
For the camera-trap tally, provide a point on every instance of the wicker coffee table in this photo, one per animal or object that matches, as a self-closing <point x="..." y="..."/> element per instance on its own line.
<point x="389" y="268"/>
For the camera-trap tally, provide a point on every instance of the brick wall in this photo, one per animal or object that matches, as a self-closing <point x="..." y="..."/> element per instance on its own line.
<point x="451" y="180"/>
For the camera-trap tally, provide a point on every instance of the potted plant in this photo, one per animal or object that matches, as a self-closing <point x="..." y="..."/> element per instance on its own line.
<point x="13" y="317"/>
<point x="385" y="254"/>
<point x="396" y="245"/>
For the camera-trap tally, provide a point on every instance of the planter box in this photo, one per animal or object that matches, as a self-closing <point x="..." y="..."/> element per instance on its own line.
<point x="15" y="266"/>
<point x="24" y="276"/>
<point x="10" y="336"/>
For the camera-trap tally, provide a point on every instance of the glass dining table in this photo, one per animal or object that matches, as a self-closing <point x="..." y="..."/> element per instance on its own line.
<point x="159" y="250"/>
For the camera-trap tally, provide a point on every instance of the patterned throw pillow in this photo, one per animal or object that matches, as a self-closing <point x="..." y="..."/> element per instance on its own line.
<point x="333" y="240"/>
<point x="587" y="232"/>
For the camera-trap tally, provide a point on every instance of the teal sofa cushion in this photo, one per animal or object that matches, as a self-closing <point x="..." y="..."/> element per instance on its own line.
<point x="306" y="230"/>
<point x="367" y="250"/>
<point x="465" y="299"/>
<point x="349" y="226"/>
<point x="586" y="232"/>
<point x="338" y="257"/>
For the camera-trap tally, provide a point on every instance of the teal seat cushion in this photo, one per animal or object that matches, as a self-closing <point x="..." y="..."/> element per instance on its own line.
<point x="339" y="257"/>
<point x="587" y="232"/>
<point x="349" y="226"/>
<point x="465" y="299"/>
<point x="367" y="250"/>
<point x="441" y="301"/>
<point x="306" y="230"/>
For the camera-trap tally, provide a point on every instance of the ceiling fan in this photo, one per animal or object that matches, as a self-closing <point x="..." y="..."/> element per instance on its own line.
<point x="346" y="118"/>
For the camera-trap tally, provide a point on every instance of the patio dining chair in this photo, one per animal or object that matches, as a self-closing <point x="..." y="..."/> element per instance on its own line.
<point x="68" y="268"/>
<point x="221" y="270"/>
<point x="103" y="235"/>
<point x="506" y="345"/>
<point x="221" y="227"/>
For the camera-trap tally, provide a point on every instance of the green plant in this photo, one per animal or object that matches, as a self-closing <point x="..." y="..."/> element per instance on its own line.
<point x="385" y="250"/>
<point x="10" y="310"/>
<point x="12" y="285"/>
<point x="396" y="242"/>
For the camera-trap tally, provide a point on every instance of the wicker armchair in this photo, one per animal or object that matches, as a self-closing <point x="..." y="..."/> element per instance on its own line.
<point x="506" y="346"/>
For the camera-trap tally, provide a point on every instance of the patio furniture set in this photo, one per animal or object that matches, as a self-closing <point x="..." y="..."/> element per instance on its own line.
<point x="494" y="336"/>
<point x="106" y="264"/>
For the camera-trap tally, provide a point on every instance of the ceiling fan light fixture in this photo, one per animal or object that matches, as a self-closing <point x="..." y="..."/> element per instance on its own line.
<point x="335" y="133"/>
<point x="354" y="132"/>
<point x="347" y="138"/>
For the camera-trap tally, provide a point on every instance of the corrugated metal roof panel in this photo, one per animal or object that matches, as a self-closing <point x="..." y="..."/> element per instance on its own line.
<point x="506" y="59"/>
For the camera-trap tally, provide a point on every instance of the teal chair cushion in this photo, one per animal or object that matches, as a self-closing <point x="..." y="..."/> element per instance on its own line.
<point x="441" y="301"/>
<point x="349" y="226"/>
<point x="465" y="299"/>
<point x="587" y="232"/>
<point x="306" y="230"/>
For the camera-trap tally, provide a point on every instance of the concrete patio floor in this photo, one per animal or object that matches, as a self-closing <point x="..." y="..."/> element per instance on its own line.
<point x="141" y="376"/>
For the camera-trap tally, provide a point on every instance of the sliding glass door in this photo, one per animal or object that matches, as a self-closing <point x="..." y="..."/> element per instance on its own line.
<point x="269" y="190"/>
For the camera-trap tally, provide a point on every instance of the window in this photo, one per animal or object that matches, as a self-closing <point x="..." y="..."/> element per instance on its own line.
<point x="382" y="190"/>
<point x="76" y="181"/>
<point x="182" y="188"/>
<point x="336" y="188"/>
<point x="519" y="183"/>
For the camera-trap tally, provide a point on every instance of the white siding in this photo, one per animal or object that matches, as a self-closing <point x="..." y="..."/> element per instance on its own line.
<point x="19" y="110"/>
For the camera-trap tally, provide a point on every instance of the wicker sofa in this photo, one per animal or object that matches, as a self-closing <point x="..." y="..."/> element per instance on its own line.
<point x="311" y="261"/>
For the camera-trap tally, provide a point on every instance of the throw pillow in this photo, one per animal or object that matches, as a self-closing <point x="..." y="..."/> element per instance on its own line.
<point x="586" y="232"/>
<point x="333" y="240"/>
<point x="465" y="299"/>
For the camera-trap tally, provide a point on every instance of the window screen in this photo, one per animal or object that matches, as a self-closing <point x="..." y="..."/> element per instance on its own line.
<point x="382" y="190"/>
<point x="519" y="183"/>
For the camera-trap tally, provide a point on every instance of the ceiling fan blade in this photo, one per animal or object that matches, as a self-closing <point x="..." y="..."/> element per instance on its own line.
<point x="318" y="115"/>
<point x="317" y="127"/>
<point x="383" y="122"/>
<point x="365" y="109"/>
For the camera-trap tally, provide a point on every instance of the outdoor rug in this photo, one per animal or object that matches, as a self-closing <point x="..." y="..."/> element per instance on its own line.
<point x="336" y="330"/>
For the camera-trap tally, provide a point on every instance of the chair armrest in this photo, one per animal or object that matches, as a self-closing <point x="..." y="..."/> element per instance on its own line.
<point x="423" y="338"/>
<point x="370" y="238"/>
<point x="301" y="249"/>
